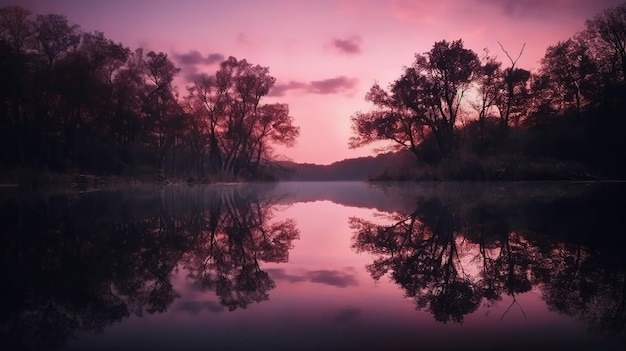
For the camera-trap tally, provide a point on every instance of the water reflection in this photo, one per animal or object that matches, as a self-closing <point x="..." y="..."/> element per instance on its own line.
<point x="475" y="260"/>
<point x="75" y="263"/>
<point x="459" y="247"/>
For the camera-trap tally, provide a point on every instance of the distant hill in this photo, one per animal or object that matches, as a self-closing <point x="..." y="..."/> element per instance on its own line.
<point x="361" y="168"/>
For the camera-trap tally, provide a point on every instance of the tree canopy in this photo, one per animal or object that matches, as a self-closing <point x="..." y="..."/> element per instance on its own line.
<point x="77" y="101"/>
<point x="451" y="103"/>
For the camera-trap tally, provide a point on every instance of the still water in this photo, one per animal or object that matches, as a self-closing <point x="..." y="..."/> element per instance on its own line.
<point x="315" y="266"/>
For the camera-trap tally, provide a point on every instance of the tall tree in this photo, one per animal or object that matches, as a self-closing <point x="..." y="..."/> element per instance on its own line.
<point x="240" y="129"/>
<point x="487" y="87"/>
<point x="609" y="28"/>
<point x="159" y="104"/>
<point x="15" y="27"/>
<point x="426" y="98"/>
<point x="514" y="92"/>
<point x="568" y="67"/>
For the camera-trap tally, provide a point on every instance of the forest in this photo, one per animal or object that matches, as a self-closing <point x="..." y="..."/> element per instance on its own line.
<point x="75" y="102"/>
<point x="465" y="116"/>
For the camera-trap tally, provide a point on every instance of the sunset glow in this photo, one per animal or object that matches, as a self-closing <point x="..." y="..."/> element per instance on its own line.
<point x="325" y="55"/>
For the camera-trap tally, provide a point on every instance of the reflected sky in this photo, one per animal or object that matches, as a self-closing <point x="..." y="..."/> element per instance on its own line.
<point x="324" y="296"/>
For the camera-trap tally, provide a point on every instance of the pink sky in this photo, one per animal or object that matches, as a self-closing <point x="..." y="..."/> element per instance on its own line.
<point x="325" y="54"/>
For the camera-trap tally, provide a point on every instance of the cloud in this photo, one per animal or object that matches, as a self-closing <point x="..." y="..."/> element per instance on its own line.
<point x="280" y="274"/>
<point x="193" y="60"/>
<point x="547" y="9"/>
<point x="194" y="57"/>
<point x="195" y="307"/>
<point x="350" y="46"/>
<point x="282" y="89"/>
<point x="193" y="75"/>
<point x="444" y="12"/>
<point x="332" y="85"/>
<point x="334" y="278"/>
<point x="214" y="58"/>
<point x="325" y="86"/>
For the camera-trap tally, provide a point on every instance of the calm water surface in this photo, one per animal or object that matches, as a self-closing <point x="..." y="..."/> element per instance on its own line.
<point x="315" y="266"/>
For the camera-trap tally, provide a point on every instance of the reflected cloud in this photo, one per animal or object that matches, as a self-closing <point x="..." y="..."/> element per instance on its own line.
<point x="336" y="278"/>
<point x="281" y="274"/>
<point x="195" y="307"/>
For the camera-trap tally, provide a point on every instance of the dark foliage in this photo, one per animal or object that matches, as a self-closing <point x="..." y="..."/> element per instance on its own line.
<point x="563" y="122"/>
<point x="72" y="101"/>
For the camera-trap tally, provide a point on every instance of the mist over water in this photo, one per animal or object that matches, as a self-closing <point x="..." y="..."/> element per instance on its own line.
<point x="336" y="265"/>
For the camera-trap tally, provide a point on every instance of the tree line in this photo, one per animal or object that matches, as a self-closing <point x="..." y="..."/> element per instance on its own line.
<point x="77" y="101"/>
<point x="453" y="106"/>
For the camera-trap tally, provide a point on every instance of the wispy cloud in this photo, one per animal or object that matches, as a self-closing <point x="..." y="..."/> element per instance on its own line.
<point x="194" y="57"/>
<point x="332" y="85"/>
<point x="325" y="86"/>
<point x="333" y="278"/>
<point x="350" y="46"/>
<point x="282" y="89"/>
<point x="540" y="8"/>
<point x="336" y="278"/>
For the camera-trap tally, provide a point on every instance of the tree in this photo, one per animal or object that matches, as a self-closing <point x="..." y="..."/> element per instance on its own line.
<point x="54" y="37"/>
<point x="487" y="82"/>
<point x="425" y="100"/>
<point x="513" y="92"/>
<point x="609" y="28"/>
<point x="240" y="129"/>
<point x="15" y="31"/>
<point x="15" y="27"/>
<point x="159" y="104"/>
<point x="567" y="66"/>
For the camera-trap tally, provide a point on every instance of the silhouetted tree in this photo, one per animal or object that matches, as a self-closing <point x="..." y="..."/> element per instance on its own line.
<point x="426" y="99"/>
<point x="567" y="67"/>
<point x="513" y="94"/>
<point x="487" y="82"/>
<point x="240" y="131"/>
<point x="72" y="101"/>
<point x="609" y="29"/>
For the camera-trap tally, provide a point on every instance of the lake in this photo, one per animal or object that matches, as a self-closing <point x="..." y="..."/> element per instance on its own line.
<point x="315" y="266"/>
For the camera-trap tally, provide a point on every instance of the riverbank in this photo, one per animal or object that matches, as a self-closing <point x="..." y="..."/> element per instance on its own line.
<point x="495" y="168"/>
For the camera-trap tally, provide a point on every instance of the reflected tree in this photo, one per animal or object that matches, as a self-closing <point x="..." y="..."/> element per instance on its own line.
<point x="227" y="256"/>
<point x="80" y="263"/>
<point x="453" y="253"/>
<point x="422" y="252"/>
